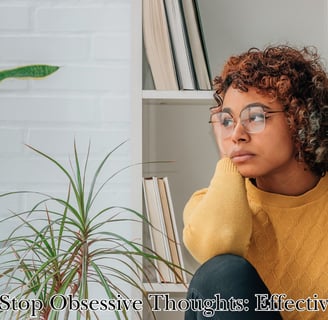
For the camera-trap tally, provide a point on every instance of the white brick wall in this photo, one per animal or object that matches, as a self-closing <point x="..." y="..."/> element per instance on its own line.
<point x="87" y="99"/>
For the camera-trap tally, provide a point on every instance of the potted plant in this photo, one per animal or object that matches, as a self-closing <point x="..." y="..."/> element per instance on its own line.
<point x="49" y="268"/>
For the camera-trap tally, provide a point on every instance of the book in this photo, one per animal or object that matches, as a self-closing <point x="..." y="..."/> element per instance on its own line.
<point x="158" y="237"/>
<point x="163" y="230"/>
<point x="171" y="228"/>
<point x="157" y="43"/>
<point x="197" y="44"/>
<point x="180" y="45"/>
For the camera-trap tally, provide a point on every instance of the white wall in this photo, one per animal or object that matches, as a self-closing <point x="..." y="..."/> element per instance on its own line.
<point x="87" y="99"/>
<point x="233" y="26"/>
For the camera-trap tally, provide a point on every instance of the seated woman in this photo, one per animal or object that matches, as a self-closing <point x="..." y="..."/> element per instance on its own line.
<point x="260" y="228"/>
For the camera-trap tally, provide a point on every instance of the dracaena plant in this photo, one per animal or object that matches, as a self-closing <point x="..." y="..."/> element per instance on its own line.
<point x="62" y="245"/>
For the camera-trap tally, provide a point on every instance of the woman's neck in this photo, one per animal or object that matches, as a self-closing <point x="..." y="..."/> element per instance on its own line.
<point x="294" y="183"/>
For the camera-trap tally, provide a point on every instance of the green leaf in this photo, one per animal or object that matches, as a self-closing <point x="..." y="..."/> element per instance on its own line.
<point x="31" y="71"/>
<point x="105" y="285"/>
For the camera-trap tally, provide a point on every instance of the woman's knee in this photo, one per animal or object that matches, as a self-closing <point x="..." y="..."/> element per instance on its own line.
<point x="227" y="265"/>
<point x="229" y="278"/>
<point x="224" y="272"/>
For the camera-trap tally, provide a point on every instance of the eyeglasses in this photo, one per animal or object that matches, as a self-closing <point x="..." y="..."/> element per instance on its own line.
<point x="252" y="118"/>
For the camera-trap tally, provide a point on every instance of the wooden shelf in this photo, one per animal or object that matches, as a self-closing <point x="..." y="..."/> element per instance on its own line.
<point x="166" y="287"/>
<point x="177" y="97"/>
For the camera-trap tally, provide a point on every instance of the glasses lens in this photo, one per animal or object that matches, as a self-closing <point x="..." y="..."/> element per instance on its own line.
<point x="253" y="119"/>
<point x="223" y="123"/>
<point x="225" y="120"/>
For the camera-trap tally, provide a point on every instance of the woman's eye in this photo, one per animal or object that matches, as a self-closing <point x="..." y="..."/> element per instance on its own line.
<point x="227" y="122"/>
<point x="256" y="117"/>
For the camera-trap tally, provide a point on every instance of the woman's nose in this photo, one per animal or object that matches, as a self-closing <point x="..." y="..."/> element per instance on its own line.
<point x="239" y="133"/>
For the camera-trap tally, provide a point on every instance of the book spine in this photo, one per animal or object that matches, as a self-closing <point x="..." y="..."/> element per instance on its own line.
<point x="180" y="45"/>
<point x="157" y="237"/>
<point x="163" y="230"/>
<point x="169" y="230"/>
<point x="202" y="37"/>
<point x="175" y="229"/>
<point x="165" y="239"/>
<point x="197" y="44"/>
<point x="157" y="44"/>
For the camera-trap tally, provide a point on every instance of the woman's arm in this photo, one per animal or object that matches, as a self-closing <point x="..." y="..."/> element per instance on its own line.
<point x="218" y="219"/>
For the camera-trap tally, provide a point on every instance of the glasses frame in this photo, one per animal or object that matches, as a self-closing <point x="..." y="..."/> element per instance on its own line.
<point x="266" y="114"/>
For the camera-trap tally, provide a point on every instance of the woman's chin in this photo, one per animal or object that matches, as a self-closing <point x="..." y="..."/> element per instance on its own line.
<point x="248" y="171"/>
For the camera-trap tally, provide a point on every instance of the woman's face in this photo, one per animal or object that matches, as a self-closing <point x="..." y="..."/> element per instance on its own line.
<point x="257" y="154"/>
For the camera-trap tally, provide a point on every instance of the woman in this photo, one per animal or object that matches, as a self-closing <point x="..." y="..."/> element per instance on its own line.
<point x="260" y="228"/>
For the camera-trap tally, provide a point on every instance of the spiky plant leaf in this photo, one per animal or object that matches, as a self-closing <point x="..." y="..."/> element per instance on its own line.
<point x="31" y="71"/>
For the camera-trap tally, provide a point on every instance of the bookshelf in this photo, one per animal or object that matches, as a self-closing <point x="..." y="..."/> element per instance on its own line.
<point x="169" y="122"/>
<point x="173" y="124"/>
<point x="176" y="129"/>
<point x="179" y="113"/>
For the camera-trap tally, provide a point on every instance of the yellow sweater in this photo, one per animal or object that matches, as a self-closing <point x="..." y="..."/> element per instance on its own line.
<point x="284" y="237"/>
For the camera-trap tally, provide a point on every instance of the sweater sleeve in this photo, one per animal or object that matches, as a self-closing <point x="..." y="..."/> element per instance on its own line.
<point x="218" y="219"/>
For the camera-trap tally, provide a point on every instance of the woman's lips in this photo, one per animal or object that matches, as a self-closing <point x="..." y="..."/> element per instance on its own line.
<point x="241" y="156"/>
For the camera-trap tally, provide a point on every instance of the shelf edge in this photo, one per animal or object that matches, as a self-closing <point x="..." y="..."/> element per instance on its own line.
<point x="168" y="97"/>
<point x="166" y="287"/>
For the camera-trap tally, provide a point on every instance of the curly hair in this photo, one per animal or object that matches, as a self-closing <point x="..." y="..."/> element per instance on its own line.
<point x="298" y="80"/>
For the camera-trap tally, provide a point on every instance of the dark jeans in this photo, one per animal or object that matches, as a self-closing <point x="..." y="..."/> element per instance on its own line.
<point x="227" y="287"/>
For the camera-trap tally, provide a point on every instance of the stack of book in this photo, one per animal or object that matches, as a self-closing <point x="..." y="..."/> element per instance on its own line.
<point x="163" y="230"/>
<point x="174" y="45"/>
